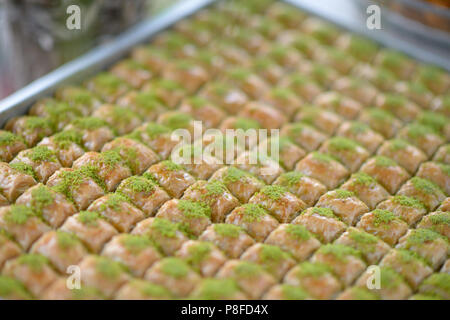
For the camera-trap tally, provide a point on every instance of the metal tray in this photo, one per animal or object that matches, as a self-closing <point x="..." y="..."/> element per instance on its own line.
<point x="105" y="55"/>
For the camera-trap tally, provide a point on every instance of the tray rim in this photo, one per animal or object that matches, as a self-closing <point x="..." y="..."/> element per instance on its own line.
<point x="104" y="55"/>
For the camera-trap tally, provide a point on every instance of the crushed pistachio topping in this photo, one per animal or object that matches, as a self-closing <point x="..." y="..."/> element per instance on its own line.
<point x="199" y="252"/>
<point x="178" y="120"/>
<point x="246" y="124"/>
<point x="19" y="214"/>
<point x="135" y="243"/>
<point x="321" y="157"/>
<point x="398" y="144"/>
<point x="216" y="289"/>
<point x="382" y="161"/>
<point x="108" y="268"/>
<point x="138" y="184"/>
<point x="342" y="194"/>
<point x="310" y="269"/>
<point x="64" y="139"/>
<point x="293" y="293"/>
<point x="174" y="267"/>
<point x="89" y="218"/>
<point x="165" y="227"/>
<point x="420" y="236"/>
<point x="66" y="240"/>
<point x="324" y="212"/>
<point x="342" y="144"/>
<point x="152" y="290"/>
<point x="339" y="251"/>
<point x="192" y="209"/>
<point x="36" y="262"/>
<point x="41" y="197"/>
<point x="363" y="178"/>
<point x="227" y="230"/>
<point x="233" y="174"/>
<point x="8" y="138"/>
<point x="253" y="212"/>
<point x="298" y="231"/>
<point x="273" y="192"/>
<point x="425" y="185"/>
<point x="407" y="201"/>
<point x="171" y="166"/>
<point x="24" y="168"/>
<point x="383" y="217"/>
<point x="247" y="269"/>
<point x="12" y="287"/>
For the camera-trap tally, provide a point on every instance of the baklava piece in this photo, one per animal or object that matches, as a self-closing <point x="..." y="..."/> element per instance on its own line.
<point x="383" y="224"/>
<point x="372" y="249"/>
<point x="132" y="72"/>
<point x="77" y="185"/>
<point x="146" y="104"/>
<point x="22" y="224"/>
<point x="437" y="221"/>
<point x="304" y="135"/>
<point x="344" y="261"/>
<point x="286" y="292"/>
<point x="445" y="205"/>
<point x="185" y="71"/>
<point x="279" y="202"/>
<point x="198" y="163"/>
<point x="33" y="270"/>
<point x="137" y="156"/>
<point x="226" y="96"/>
<point x="194" y="217"/>
<point x="381" y="121"/>
<point x="429" y="245"/>
<point x="157" y="137"/>
<point x="325" y="121"/>
<point x="58" y="113"/>
<point x="168" y="91"/>
<point x="438" y="173"/>
<point x="294" y="239"/>
<point x="79" y="98"/>
<point x="116" y="209"/>
<point x="356" y="89"/>
<point x="423" y="190"/>
<point x="322" y="222"/>
<point x="67" y="145"/>
<point x="107" y="86"/>
<point x="366" y="189"/>
<point x="362" y="49"/>
<point x="213" y="194"/>
<point x="10" y="145"/>
<point x="172" y="177"/>
<point x="409" y="264"/>
<point x="120" y="118"/>
<point x="135" y="252"/>
<point x="8" y="247"/>
<point x="274" y="260"/>
<point x="342" y="105"/>
<point x="303" y="187"/>
<point x="202" y="110"/>
<point x="62" y="249"/>
<point x="154" y="58"/>
<point x="439" y="123"/>
<point x="344" y="204"/>
<point x="315" y="278"/>
<point x="436" y="285"/>
<point x="250" y="277"/>
<point x="167" y="236"/>
<point x="91" y="228"/>
<point x="283" y="99"/>
<point x="305" y="87"/>
<point x="142" y="290"/>
<point x="203" y="257"/>
<point x="231" y="239"/>
<point x="59" y="290"/>
<point x="12" y="289"/>
<point x="267" y="116"/>
<point x="15" y="180"/>
<point x="348" y="152"/>
<point x="31" y="129"/>
<point x="361" y="133"/>
<point x="405" y="154"/>
<point x="357" y="293"/>
<point x="108" y="168"/>
<point x="323" y="168"/>
<point x="41" y="159"/>
<point x="254" y="219"/>
<point x="143" y="193"/>
<point x="239" y="182"/>
<point x="52" y="206"/>
<point x="392" y="284"/>
<point x="398" y="105"/>
<point x="443" y="154"/>
<point x="396" y="62"/>
<point x="408" y="209"/>
<point x="218" y="289"/>
<point x="247" y="81"/>
<point x="103" y="274"/>
<point x="434" y="79"/>
<point x="260" y="165"/>
<point x="173" y="274"/>
<point x="387" y="172"/>
<point x="268" y="70"/>
<point x="95" y="132"/>
<point x="423" y="137"/>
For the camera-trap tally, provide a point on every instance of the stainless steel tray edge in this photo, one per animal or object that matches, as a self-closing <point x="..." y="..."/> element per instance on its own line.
<point x="95" y="60"/>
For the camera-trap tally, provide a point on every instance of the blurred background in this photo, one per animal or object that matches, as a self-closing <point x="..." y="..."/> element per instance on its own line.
<point x="34" y="38"/>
